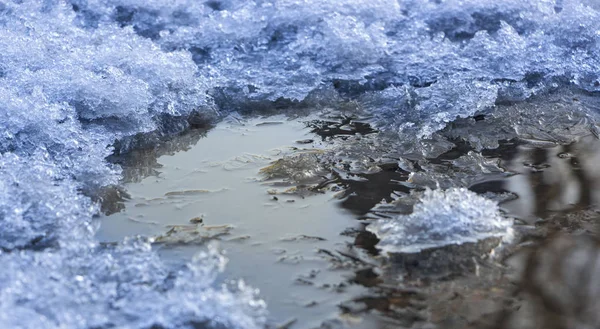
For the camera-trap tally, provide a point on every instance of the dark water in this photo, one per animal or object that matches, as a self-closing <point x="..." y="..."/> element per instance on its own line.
<point x="547" y="178"/>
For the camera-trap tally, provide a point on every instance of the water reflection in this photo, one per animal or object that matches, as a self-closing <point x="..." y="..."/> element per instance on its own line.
<point x="362" y="192"/>
<point x="542" y="179"/>
<point x="143" y="162"/>
<point x="548" y="177"/>
<point x="140" y="163"/>
<point x="281" y="241"/>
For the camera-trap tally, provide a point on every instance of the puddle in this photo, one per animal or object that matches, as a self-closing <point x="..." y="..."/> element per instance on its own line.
<point x="547" y="178"/>
<point x="278" y="242"/>
<point x="283" y="198"/>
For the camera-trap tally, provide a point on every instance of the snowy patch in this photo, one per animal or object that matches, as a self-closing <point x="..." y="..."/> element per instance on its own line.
<point x="453" y="216"/>
<point x="78" y="75"/>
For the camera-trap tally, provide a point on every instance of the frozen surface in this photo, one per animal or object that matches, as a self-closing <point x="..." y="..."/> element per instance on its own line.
<point x="417" y="63"/>
<point x="37" y="210"/>
<point x="122" y="287"/>
<point x="73" y="282"/>
<point x="66" y="94"/>
<point x="441" y="218"/>
<point x="76" y="76"/>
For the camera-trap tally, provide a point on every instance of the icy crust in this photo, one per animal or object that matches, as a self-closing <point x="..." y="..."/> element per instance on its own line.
<point x="125" y="286"/>
<point x="39" y="207"/>
<point x="77" y="75"/>
<point x="30" y="125"/>
<point x="562" y="117"/>
<point x="442" y="217"/>
<point x="73" y="282"/>
<point x="418" y="63"/>
<point x="109" y="76"/>
<point x="66" y="94"/>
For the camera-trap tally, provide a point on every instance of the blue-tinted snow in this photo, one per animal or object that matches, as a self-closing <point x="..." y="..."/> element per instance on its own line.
<point x="442" y="217"/>
<point x="122" y="287"/>
<point x="77" y="75"/>
<point x="417" y="63"/>
<point x="66" y="94"/>
<point x="73" y="282"/>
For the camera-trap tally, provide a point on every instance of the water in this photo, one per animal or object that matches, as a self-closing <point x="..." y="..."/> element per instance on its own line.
<point x="81" y="81"/>
<point x="548" y="178"/>
<point x="551" y="191"/>
<point x="273" y="239"/>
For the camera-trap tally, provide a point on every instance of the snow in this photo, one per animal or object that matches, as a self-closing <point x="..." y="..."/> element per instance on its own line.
<point x="78" y="75"/>
<point x="441" y="218"/>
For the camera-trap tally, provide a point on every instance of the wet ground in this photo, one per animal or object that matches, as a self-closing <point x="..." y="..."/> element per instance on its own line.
<point x="288" y="200"/>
